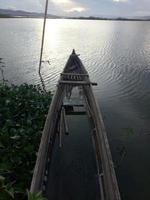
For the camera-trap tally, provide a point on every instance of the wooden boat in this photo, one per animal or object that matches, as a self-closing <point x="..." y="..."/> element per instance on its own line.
<point x="75" y="75"/>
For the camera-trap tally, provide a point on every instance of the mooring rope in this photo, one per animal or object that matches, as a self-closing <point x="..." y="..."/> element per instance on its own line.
<point x="43" y="35"/>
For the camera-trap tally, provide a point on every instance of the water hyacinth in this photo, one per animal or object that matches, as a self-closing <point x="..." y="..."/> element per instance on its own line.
<point x="23" y="111"/>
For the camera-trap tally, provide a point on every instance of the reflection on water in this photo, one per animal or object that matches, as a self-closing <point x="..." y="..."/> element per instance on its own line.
<point x="117" y="57"/>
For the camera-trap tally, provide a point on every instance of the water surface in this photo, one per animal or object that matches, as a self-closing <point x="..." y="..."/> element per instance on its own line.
<point x="117" y="57"/>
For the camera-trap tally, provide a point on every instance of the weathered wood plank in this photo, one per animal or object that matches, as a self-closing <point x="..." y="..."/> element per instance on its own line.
<point x="110" y="181"/>
<point x="73" y="74"/>
<point x="48" y="132"/>
<point x="65" y="121"/>
<point x="77" y="83"/>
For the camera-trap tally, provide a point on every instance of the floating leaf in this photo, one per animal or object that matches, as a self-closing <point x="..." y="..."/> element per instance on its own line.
<point x="35" y="196"/>
<point x="15" y="137"/>
<point x="128" y="131"/>
<point x="1" y="145"/>
<point x="2" y="178"/>
<point x="10" y="192"/>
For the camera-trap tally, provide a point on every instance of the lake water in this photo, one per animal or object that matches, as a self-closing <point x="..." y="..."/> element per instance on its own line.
<point x="117" y="57"/>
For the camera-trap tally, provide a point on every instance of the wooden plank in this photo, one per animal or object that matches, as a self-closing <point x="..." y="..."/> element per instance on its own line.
<point x="73" y="74"/>
<point x="110" y="181"/>
<point x="65" y="121"/>
<point x="61" y="129"/>
<point x="70" y="104"/>
<point x="97" y="165"/>
<point x="77" y="83"/>
<point x="76" y="113"/>
<point x="48" y="132"/>
<point x="101" y="186"/>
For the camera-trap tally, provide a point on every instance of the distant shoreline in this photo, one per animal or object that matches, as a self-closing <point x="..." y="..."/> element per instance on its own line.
<point x="8" y="13"/>
<point x="73" y="18"/>
<point x="23" y="14"/>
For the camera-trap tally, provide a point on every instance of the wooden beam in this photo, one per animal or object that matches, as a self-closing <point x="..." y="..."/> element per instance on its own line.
<point x="65" y="122"/>
<point x="73" y="74"/>
<point x="98" y="165"/>
<point x="77" y="83"/>
<point x="61" y="129"/>
<point x="48" y="133"/>
<point x="76" y="105"/>
<point x="110" y="181"/>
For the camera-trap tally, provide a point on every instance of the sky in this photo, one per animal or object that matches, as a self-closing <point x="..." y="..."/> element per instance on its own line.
<point x="119" y="8"/>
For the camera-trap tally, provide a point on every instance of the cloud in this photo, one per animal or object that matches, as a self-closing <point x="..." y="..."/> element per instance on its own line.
<point x="142" y="13"/>
<point x="87" y="7"/>
<point x="77" y="9"/>
<point x="121" y="1"/>
<point x="69" y="5"/>
<point x="62" y="1"/>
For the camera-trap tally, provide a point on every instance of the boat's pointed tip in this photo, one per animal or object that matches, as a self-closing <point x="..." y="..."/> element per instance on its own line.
<point x="73" y="51"/>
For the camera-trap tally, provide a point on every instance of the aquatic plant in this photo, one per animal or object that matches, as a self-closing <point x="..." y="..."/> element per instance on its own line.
<point x="23" y="111"/>
<point x="35" y="196"/>
<point x="2" y="66"/>
<point x="128" y="131"/>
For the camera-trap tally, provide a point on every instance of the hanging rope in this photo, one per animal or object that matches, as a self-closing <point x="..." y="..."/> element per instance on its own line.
<point x="43" y="36"/>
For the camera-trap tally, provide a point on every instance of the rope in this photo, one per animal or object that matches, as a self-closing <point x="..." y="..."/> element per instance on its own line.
<point x="43" y="35"/>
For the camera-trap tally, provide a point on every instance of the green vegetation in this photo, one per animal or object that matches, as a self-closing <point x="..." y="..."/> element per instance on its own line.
<point x="2" y="66"/>
<point x="110" y="19"/>
<point x="23" y="111"/>
<point x="128" y="131"/>
<point x="5" y="16"/>
<point x="37" y="196"/>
